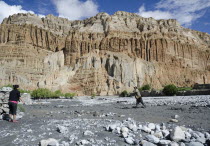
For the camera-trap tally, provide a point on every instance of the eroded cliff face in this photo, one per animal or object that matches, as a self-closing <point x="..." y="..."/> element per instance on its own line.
<point x="105" y="54"/>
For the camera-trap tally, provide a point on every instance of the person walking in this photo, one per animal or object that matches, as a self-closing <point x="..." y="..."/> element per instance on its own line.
<point x="14" y="97"/>
<point x="138" y="97"/>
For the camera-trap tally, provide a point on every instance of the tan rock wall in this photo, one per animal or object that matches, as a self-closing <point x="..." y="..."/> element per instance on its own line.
<point x="103" y="54"/>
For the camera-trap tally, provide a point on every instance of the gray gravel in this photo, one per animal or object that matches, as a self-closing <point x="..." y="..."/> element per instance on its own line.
<point x="86" y="121"/>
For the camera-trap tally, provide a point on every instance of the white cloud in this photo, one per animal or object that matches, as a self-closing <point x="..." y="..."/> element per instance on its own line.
<point x="186" y="12"/>
<point x="76" y="9"/>
<point x="6" y="10"/>
<point x="157" y="14"/>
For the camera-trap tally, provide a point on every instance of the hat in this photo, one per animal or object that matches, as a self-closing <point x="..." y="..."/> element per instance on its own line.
<point x="15" y="86"/>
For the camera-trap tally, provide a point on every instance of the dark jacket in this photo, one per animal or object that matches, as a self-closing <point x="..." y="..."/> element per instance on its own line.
<point x="14" y="95"/>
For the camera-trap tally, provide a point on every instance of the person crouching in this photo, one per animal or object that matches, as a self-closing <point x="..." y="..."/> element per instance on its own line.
<point x="138" y="97"/>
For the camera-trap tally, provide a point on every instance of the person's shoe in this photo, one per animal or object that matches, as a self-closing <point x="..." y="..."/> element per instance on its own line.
<point x="14" y="121"/>
<point x="10" y="120"/>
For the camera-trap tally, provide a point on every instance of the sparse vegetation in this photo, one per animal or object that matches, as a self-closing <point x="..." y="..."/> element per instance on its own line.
<point x="43" y="93"/>
<point x="21" y="108"/>
<point x="58" y="93"/>
<point x="145" y="87"/>
<point x="93" y="95"/>
<point x="184" y="88"/>
<point x="24" y="91"/>
<point x="124" y="94"/>
<point x="69" y="95"/>
<point x="170" y="90"/>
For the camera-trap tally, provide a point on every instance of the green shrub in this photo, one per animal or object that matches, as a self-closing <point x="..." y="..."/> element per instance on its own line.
<point x="69" y="95"/>
<point x="42" y="93"/>
<point x="184" y="88"/>
<point x="170" y="90"/>
<point x="145" y="87"/>
<point x="124" y="94"/>
<point x="24" y="91"/>
<point x="93" y="95"/>
<point x="57" y="94"/>
<point x="21" y="108"/>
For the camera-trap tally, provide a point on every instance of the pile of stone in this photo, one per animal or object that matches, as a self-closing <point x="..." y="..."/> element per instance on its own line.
<point x="4" y="97"/>
<point x="151" y="134"/>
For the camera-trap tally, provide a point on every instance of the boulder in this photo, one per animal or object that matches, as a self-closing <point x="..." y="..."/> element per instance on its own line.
<point x="151" y="126"/>
<point x="26" y="97"/>
<point x="164" y="142"/>
<point x="129" y="140"/>
<point x="177" y="134"/>
<point x="146" y="129"/>
<point x="152" y="138"/>
<point x="124" y="129"/>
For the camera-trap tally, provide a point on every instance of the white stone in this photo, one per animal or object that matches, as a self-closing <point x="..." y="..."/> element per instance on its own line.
<point x="158" y="134"/>
<point x="187" y="135"/>
<point x="118" y="130"/>
<point x="132" y="127"/>
<point x="207" y="135"/>
<point x="165" y="133"/>
<point x="146" y="143"/>
<point x="112" y="127"/>
<point x="129" y="140"/>
<point x="29" y="130"/>
<point x="201" y="140"/>
<point x="194" y="134"/>
<point x="50" y="141"/>
<point x="88" y="133"/>
<point x="177" y="134"/>
<point x="124" y="129"/>
<point x="181" y="144"/>
<point x="64" y="143"/>
<point x="174" y="120"/>
<point x="129" y="119"/>
<point x="6" y="89"/>
<point x="26" y="97"/>
<point x="124" y="134"/>
<point x="157" y="128"/>
<point x="84" y="142"/>
<point x="20" y="115"/>
<point x="164" y="142"/>
<point x="175" y="116"/>
<point x="152" y="138"/>
<point x="195" y="144"/>
<point x="173" y="144"/>
<point x="62" y="129"/>
<point x="151" y="126"/>
<point x="146" y="129"/>
<point x="163" y="127"/>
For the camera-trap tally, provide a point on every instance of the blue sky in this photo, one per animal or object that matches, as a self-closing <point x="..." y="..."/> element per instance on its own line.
<point x="193" y="14"/>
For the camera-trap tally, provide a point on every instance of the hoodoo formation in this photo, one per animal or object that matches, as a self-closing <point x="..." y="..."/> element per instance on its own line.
<point x="104" y="54"/>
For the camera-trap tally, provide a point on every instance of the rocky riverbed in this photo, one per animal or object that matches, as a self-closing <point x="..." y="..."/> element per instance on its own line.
<point x="111" y="121"/>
